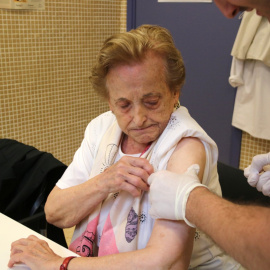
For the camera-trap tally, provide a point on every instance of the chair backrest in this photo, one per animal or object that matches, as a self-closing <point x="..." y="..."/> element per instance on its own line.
<point x="235" y="187"/>
<point x="27" y="176"/>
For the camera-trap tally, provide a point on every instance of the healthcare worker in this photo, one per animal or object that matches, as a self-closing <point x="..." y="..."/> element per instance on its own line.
<point x="230" y="8"/>
<point x="241" y="230"/>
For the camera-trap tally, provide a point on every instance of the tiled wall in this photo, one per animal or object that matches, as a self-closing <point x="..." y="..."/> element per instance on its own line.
<point x="45" y="58"/>
<point x="250" y="147"/>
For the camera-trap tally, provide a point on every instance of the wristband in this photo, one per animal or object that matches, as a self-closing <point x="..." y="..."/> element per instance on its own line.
<point x="65" y="263"/>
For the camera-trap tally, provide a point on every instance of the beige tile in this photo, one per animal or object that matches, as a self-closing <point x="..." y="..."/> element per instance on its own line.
<point x="250" y="147"/>
<point x="45" y="97"/>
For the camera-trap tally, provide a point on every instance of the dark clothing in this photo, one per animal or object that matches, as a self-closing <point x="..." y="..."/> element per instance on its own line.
<point x="27" y="176"/>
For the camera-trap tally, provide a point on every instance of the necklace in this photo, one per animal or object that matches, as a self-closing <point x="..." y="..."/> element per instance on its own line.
<point x="145" y="149"/>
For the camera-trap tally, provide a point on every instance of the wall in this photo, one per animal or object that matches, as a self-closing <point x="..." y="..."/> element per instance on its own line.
<point x="250" y="147"/>
<point x="45" y="97"/>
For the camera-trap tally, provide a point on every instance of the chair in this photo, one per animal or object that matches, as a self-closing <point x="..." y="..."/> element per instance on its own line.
<point x="27" y="176"/>
<point x="235" y="187"/>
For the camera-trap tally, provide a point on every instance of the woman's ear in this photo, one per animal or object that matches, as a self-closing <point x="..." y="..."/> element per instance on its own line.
<point x="176" y="96"/>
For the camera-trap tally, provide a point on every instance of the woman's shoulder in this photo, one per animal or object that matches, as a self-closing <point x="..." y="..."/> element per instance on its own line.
<point x="189" y="127"/>
<point x="104" y="118"/>
<point x="101" y="122"/>
<point x="97" y="128"/>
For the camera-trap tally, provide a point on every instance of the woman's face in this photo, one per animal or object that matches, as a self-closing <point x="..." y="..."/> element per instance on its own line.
<point x="140" y="98"/>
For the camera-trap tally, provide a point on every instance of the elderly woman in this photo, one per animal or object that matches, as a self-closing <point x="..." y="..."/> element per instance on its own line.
<point x="104" y="192"/>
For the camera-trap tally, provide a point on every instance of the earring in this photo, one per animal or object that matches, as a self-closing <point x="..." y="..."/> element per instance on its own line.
<point x="177" y="105"/>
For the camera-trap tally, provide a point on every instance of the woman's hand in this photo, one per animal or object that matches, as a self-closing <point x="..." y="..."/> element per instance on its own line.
<point x="35" y="253"/>
<point x="129" y="174"/>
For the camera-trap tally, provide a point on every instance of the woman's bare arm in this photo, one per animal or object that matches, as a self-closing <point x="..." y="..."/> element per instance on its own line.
<point x="67" y="207"/>
<point x="169" y="247"/>
<point x="189" y="151"/>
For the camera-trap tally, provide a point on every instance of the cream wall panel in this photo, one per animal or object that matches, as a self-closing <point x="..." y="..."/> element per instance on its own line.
<point x="45" y="58"/>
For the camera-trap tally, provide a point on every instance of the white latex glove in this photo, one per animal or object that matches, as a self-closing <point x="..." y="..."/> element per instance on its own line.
<point x="169" y="193"/>
<point x="253" y="173"/>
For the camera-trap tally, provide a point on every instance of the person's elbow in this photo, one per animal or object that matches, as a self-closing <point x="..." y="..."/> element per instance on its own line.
<point x="50" y="213"/>
<point x="176" y="260"/>
<point x="53" y="210"/>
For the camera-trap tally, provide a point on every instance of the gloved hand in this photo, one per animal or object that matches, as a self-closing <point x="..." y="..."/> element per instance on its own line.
<point x="169" y="193"/>
<point x="253" y="173"/>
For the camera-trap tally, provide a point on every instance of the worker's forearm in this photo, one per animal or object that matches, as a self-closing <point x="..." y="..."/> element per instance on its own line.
<point x="242" y="231"/>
